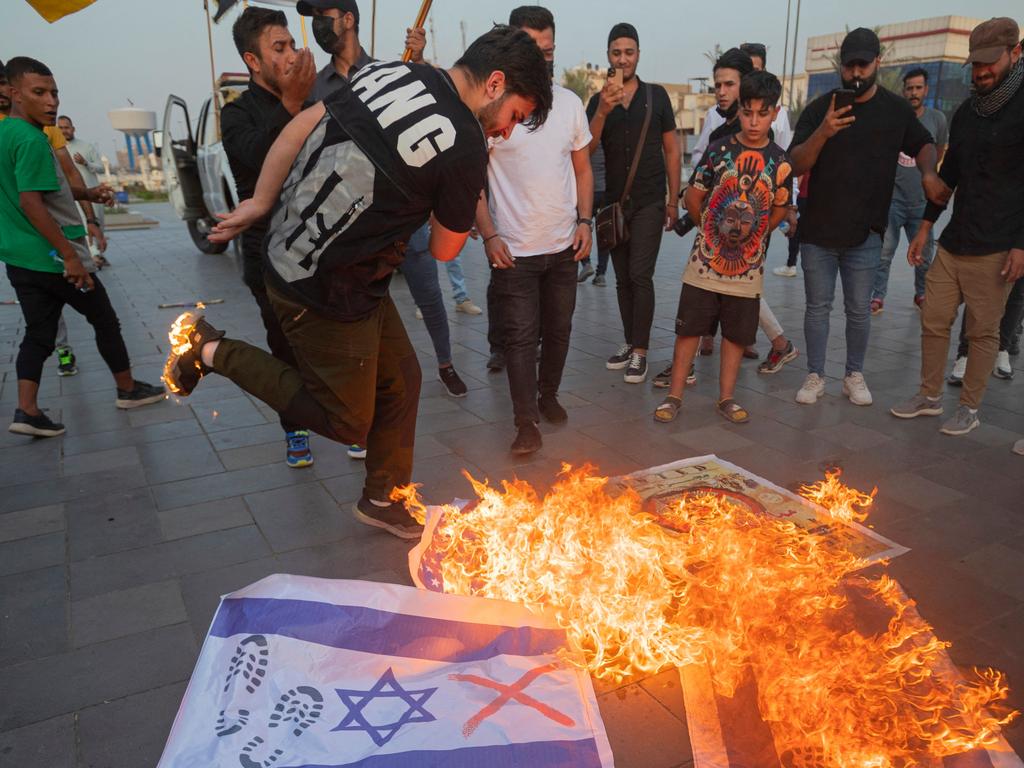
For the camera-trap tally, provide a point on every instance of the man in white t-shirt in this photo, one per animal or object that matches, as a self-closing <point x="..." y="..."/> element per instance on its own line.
<point x="535" y="227"/>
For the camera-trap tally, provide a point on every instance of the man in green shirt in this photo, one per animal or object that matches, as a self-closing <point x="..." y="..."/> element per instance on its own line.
<point x="42" y="241"/>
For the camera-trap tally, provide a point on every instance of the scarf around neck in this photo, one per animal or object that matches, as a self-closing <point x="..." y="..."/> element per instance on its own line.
<point x="988" y="104"/>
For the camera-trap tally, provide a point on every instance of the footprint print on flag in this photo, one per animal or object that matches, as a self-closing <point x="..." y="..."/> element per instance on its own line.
<point x="297" y="710"/>
<point x="249" y="664"/>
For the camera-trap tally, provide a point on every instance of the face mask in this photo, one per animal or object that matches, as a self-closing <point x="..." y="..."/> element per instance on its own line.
<point x="729" y="113"/>
<point x="860" y="87"/>
<point x="324" y="34"/>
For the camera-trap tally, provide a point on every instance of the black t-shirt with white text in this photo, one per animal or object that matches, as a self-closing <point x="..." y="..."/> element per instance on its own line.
<point x="395" y="144"/>
<point x="852" y="181"/>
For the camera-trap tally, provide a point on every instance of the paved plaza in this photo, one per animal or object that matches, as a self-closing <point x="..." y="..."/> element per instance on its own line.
<point x="117" y="539"/>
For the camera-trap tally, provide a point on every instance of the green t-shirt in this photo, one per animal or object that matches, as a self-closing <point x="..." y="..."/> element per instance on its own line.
<point x="28" y="164"/>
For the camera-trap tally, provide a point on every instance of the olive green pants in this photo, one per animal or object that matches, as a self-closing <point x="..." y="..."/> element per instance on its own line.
<point x="356" y="382"/>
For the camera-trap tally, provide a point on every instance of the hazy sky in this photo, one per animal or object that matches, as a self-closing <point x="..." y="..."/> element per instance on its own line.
<point x="143" y="50"/>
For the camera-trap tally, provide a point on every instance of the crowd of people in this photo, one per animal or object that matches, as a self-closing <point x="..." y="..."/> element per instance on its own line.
<point x="366" y="167"/>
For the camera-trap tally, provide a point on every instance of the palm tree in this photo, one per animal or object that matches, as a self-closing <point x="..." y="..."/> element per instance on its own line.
<point x="577" y="81"/>
<point x="714" y="53"/>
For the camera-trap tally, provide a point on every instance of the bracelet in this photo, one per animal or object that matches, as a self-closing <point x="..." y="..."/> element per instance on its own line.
<point x="581" y="220"/>
<point x="491" y="237"/>
<point x="93" y="221"/>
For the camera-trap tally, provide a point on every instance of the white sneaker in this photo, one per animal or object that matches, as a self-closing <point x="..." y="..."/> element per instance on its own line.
<point x="1003" y="369"/>
<point x="956" y="376"/>
<point x="1018" y="447"/>
<point x="784" y="271"/>
<point x="855" y="388"/>
<point x="468" y="307"/>
<point x="813" y="388"/>
<point x="419" y="314"/>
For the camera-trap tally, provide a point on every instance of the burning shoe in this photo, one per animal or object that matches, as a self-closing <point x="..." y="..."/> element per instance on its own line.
<point x="393" y="518"/>
<point x="184" y="367"/>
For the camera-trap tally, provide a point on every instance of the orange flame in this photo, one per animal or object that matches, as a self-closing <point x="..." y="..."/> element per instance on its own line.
<point x="178" y="335"/>
<point x="709" y="580"/>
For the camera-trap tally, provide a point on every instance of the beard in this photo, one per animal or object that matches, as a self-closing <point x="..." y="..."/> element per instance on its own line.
<point x="860" y="86"/>
<point x="488" y="116"/>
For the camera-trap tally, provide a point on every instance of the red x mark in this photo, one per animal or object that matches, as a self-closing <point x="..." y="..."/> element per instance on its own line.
<point x="508" y="693"/>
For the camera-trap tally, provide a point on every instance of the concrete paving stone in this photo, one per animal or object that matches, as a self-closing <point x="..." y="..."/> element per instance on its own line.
<point x="255" y="455"/>
<point x="36" y="627"/>
<point x="667" y="690"/>
<point x="976" y="482"/>
<point x="442" y="422"/>
<point x="128" y="732"/>
<point x="84" y="463"/>
<point x="102" y="441"/>
<point x="159" y="413"/>
<point x="351" y="558"/>
<point x="301" y="516"/>
<point x="24" y="589"/>
<point x="31" y="522"/>
<point x="229" y="413"/>
<point x="186" y="457"/>
<point x="203" y="518"/>
<point x="31" y="554"/>
<point x="117" y="614"/>
<point x="997" y="566"/>
<point x="915" y="491"/>
<point x="201" y="592"/>
<point x="110" y="522"/>
<point x="224" y="485"/>
<point x="345" y="489"/>
<point x="238" y="438"/>
<point x="714" y="438"/>
<point x="951" y="531"/>
<point x="213" y="550"/>
<point x="45" y="688"/>
<point x="852" y="436"/>
<point x="49" y="743"/>
<point x="642" y="732"/>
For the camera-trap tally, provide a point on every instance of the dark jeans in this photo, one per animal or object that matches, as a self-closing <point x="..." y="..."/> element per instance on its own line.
<point x="42" y="296"/>
<point x="602" y="255"/>
<point x="494" y="331"/>
<point x="356" y="382"/>
<point x="420" y="270"/>
<point x="634" y="263"/>
<point x="537" y="297"/>
<point x="1009" y="327"/>
<point x="276" y="340"/>
<point x="794" y="241"/>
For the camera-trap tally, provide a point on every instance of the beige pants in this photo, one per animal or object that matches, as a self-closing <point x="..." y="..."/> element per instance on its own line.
<point x="975" y="281"/>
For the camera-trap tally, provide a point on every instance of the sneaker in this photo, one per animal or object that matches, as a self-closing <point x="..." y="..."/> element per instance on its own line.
<point x="419" y="313"/>
<point x="750" y="353"/>
<point x="298" y="454"/>
<point x="961" y="422"/>
<point x="496" y="362"/>
<point x="356" y="451"/>
<point x="918" y="405"/>
<point x="455" y="386"/>
<point x="877" y="306"/>
<point x="707" y="346"/>
<point x="919" y="303"/>
<point x="527" y="440"/>
<point x="778" y="358"/>
<point x="812" y="389"/>
<point x="956" y="376"/>
<point x="620" y="359"/>
<point x="39" y="425"/>
<point x="599" y="280"/>
<point x="393" y="518"/>
<point x="1003" y="369"/>
<point x="66" y="362"/>
<point x="786" y="271"/>
<point x="551" y="410"/>
<point x="467" y="307"/>
<point x="855" y="388"/>
<point x="585" y="272"/>
<point x="636" y="370"/>
<point x="664" y="379"/>
<point x="1018" y="447"/>
<point x="184" y="367"/>
<point x="139" y="395"/>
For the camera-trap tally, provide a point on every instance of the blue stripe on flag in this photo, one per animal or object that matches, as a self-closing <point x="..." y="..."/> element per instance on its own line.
<point x="356" y="628"/>
<point x="537" y="754"/>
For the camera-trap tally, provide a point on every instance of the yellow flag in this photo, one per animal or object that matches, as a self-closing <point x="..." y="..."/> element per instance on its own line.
<point x="51" y="10"/>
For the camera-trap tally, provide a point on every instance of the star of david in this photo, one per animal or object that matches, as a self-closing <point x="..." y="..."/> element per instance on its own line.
<point x="387" y="687"/>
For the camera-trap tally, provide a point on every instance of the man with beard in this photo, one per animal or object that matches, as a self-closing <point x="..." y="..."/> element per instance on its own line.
<point x="907" y="206"/>
<point x="852" y="151"/>
<point x="280" y="79"/>
<point x="397" y="145"/>
<point x="981" y="250"/>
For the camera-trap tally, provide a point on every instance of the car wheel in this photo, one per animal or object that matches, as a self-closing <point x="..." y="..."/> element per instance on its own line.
<point x="199" y="229"/>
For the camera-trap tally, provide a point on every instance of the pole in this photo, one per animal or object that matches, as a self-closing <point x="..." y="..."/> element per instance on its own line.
<point x="302" y="26"/>
<point x="373" y="29"/>
<point x="213" y="70"/>
<point x="785" y="49"/>
<point x="792" y="67"/>
<point x="421" y="18"/>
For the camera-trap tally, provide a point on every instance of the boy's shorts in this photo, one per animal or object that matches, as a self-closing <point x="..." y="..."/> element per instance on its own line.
<point x="702" y="311"/>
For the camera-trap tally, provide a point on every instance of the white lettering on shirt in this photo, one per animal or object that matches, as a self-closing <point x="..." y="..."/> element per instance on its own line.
<point x="423" y="141"/>
<point x="396" y="104"/>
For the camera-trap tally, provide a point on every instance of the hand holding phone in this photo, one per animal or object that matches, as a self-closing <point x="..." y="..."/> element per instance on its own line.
<point x="838" y="116"/>
<point x="611" y="94"/>
<point x="844" y="97"/>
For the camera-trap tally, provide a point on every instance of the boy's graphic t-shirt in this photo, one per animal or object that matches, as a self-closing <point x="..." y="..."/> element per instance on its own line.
<point x="743" y="185"/>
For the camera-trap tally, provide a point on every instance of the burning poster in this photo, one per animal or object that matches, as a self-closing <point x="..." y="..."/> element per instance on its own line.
<point x="298" y="671"/>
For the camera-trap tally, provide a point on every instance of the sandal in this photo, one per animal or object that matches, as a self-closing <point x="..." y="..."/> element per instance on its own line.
<point x="668" y="410"/>
<point x="733" y="411"/>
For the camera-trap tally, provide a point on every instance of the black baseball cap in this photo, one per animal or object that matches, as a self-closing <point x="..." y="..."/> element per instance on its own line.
<point x="305" y="7"/>
<point x="859" y="45"/>
<point x="623" y="29"/>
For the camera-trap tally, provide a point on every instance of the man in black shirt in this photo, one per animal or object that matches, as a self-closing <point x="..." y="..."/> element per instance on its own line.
<point x="981" y="250"/>
<point x="357" y="174"/>
<point x="616" y="120"/>
<point x="853" y="152"/>
<point x="279" y="82"/>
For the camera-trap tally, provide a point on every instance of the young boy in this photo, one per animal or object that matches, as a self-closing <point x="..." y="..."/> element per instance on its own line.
<point x="42" y="241"/>
<point x="739" y="193"/>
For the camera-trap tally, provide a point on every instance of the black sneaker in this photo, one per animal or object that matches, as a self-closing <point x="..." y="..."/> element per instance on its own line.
<point x="66" y="362"/>
<point x="139" y="395"/>
<point x="527" y="440"/>
<point x="496" y="362"/>
<point x="184" y="367"/>
<point x="551" y="410"/>
<point x="599" y="280"/>
<point x="456" y="387"/>
<point x="620" y="359"/>
<point x="636" y="369"/>
<point x="39" y="425"/>
<point x="664" y="379"/>
<point x="585" y="272"/>
<point x="393" y="518"/>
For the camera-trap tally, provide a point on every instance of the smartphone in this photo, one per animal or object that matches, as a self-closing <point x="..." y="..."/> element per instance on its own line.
<point x="615" y="75"/>
<point x="844" y="97"/>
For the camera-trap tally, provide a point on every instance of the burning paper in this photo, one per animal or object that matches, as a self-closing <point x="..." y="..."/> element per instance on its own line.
<point x="700" y="564"/>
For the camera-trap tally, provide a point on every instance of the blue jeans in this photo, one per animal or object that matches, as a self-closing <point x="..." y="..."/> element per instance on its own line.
<point x="857" y="267"/>
<point x="457" y="278"/>
<point x="907" y="218"/>
<point x="420" y="270"/>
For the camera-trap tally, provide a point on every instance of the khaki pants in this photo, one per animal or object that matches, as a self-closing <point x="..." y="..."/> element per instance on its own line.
<point x="356" y="382"/>
<point x="975" y="281"/>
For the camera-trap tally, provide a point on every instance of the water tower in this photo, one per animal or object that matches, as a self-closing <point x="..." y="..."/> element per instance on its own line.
<point x="137" y="124"/>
